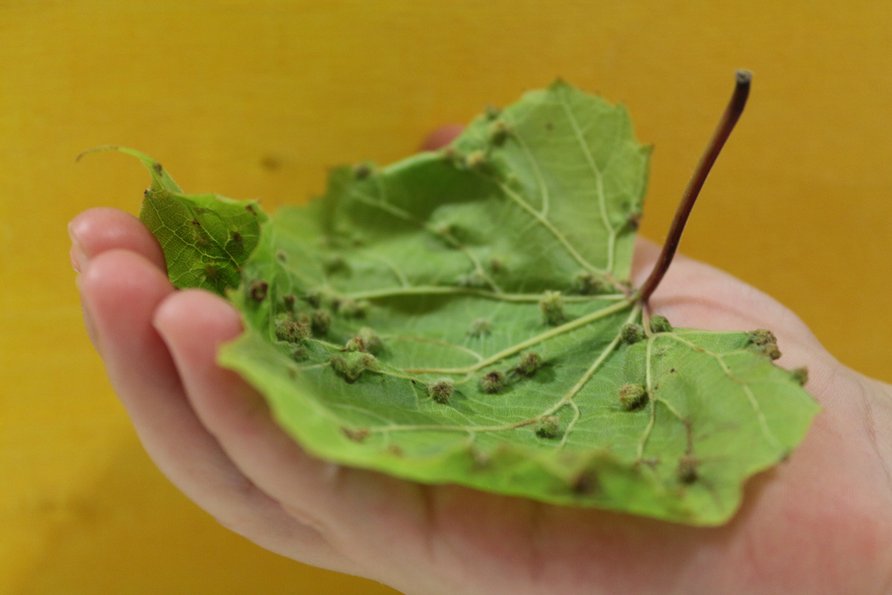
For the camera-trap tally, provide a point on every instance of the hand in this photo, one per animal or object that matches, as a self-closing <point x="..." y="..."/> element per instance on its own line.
<point x="819" y="523"/>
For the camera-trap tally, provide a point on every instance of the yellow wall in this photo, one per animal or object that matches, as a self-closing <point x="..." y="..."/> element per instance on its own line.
<point x="800" y="203"/>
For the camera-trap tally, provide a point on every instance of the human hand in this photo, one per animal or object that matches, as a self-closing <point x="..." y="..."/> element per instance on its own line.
<point x="819" y="523"/>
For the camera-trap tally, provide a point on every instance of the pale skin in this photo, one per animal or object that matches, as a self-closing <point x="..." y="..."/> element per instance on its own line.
<point x="819" y="523"/>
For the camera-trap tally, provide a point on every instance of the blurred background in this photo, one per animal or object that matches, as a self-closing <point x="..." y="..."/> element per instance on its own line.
<point x="257" y="99"/>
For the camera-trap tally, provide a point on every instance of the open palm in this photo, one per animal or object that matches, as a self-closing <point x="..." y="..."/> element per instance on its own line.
<point x="819" y="523"/>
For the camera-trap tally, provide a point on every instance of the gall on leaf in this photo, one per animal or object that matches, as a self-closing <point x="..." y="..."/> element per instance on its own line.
<point x="528" y="365"/>
<point x="441" y="390"/>
<point x="492" y="382"/>
<point x="551" y="304"/>
<point x="480" y="327"/>
<point x="351" y="365"/>
<point x="548" y="427"/>
<point x="660" y="324"/>
<point x="632" y="396"/>
<point x="632" y="333"/>
<point x="765" y="342"/>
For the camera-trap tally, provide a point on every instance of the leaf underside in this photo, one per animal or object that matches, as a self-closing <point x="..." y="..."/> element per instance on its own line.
<point x="463" y="316"/>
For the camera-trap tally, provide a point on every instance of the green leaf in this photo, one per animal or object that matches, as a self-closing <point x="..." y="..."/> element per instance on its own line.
<point x="465" y="316"/>
<point x="206" y="238"/>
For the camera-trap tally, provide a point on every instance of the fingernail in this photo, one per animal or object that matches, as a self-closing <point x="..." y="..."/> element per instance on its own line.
<point x="77" y="254"/>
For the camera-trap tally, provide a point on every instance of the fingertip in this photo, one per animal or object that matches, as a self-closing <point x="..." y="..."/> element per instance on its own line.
<point x="194" y="324"/>
<point x="116" y="275"/>
<point x="194" y="315"/>
<point x="441" y="137"/>
<point x="120" y="291"/>
<point x="102" y="229"/>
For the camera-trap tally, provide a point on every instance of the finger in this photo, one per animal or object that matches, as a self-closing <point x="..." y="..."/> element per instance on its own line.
<point x="194" y="324"/>
<point x="121" y="291"/>
<point x="441" y="137"/>
<point x="101" y="229"/>
<point x="353" y="507"/>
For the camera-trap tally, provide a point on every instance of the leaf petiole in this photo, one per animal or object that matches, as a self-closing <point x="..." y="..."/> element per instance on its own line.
<point x="692" y="191"/>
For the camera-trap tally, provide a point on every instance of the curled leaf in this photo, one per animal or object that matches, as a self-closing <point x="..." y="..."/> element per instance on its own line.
<point x="465" y="316"/>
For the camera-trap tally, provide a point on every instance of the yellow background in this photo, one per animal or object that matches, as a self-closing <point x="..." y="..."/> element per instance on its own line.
<point x="257" y="99"/>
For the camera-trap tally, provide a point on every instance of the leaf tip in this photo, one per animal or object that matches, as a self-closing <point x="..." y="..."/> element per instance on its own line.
<point x="96" y="149"/>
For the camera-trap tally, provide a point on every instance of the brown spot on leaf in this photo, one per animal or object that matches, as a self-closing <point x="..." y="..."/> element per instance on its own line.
<point x="585" y="484"/>
<point x="764" y="341"/>
<point x="258" y="290"/>
<point x="480" y="459"/>
<point x="687" y="469"/>
<point x="355" y="434"/>
<point x="361" y="171"/>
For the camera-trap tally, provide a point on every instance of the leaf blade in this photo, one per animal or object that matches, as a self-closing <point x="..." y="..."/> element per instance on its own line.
<point x="499" y="268"/>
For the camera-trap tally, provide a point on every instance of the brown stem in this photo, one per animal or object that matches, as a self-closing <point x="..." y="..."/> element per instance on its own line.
<point x="721" y="134"/>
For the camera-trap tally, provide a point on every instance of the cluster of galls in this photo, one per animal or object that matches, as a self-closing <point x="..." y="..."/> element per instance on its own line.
<point x="293" y="327"/>
<point x="586" y="283"/>
<point x="495" y="381"/>
<point x="358" y="355"/>
<point x="365" y="340"/>
<point x="349" y="308"/>
<point x="497" y="133"/>
<point x="297" y="327"/>
<point x="350" y="365"/>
